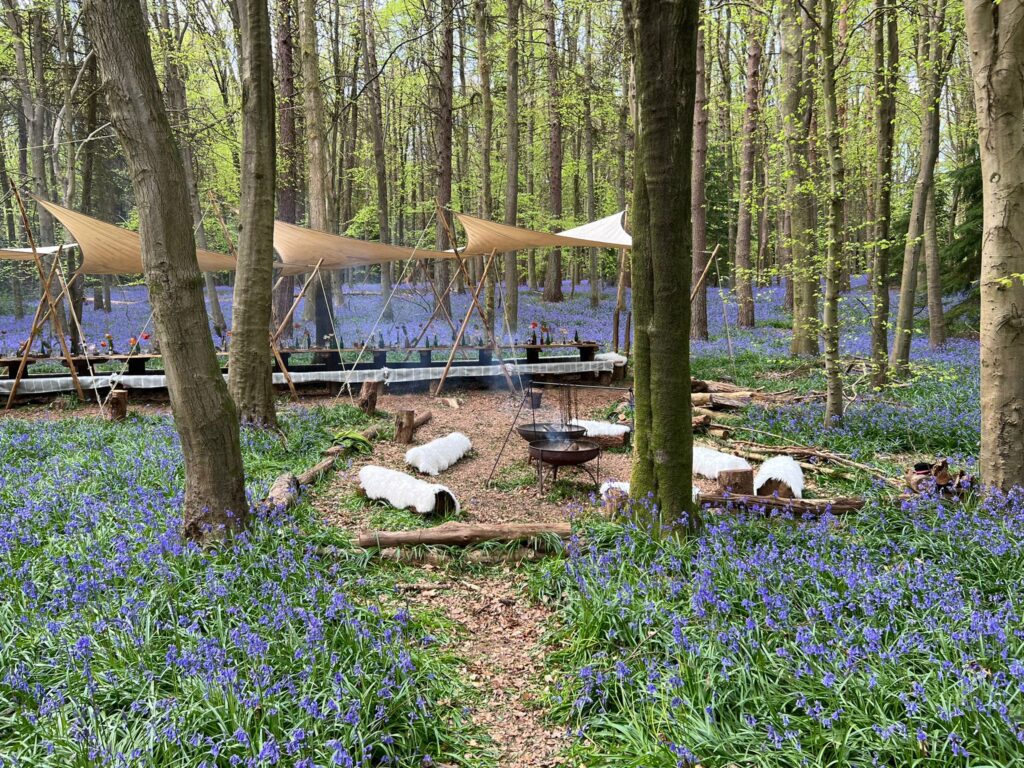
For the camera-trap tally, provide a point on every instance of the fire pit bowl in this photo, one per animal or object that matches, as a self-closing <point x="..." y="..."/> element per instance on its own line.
<point x="549" y="431"/>
<point x="562" y="452"/>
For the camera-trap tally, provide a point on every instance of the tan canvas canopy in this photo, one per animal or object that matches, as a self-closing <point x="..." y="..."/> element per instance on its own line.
<point x="25" y="254"/>
<point x="484" y="236"/>
<point x="111" y="250"/>
<point x="301" y="247"/>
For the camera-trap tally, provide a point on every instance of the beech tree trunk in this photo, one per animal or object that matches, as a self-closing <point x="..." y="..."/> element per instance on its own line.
<point x="215" y="505"/>
<point x="319" y="179"/>
<point x="287" y="179"/>
<point x="933" y="74"/>
<point x="886" y="60"/>
<point x="249" y="363"/>
<point x="698" y="199"/>
<point x="665" y="40"/>
<point x="933" y="273"/>
<point x="996" y="36"/>
<point x="443" y="126"/>
<point x="796" y="107"/>
<point x="369" y="43"/>
<point x="512" y="161"/>
<point x="743" y="280"/>
<point x="553" y="273"/>
<point x="487" y="133"/>
<point x="833" y="249"/>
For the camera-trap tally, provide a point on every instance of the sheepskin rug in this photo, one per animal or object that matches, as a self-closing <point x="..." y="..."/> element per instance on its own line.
<point x="784" y="469"/>
<point x="601" y="428"/>
<point x="621" y="487"/>
<point x="708" y="462"/>
<point x="436" y="456"/>
<point x="402" y="491"/>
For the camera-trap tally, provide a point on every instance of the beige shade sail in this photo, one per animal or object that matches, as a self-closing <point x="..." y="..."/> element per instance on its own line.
<point x="111" y="250"/>
<point x="607" y="231"/>
<point x="484" y="236"/>
<point x="303" y="248"/>
<point x="25" y="254"/>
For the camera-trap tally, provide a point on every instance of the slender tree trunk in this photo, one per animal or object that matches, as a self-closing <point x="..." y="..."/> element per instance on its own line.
<point x="796" y="115"/>
<point x="215" y="505"/>
<point x="319" y="178"/>
<point x="287" y="187"/>
<point x="665" y="37"/>
<point x="933" y="271"/>
<point x="443" y="127"/>
<point x="553" y="274"/>
<point x="886" y="60"/>
<point x="249" y="370"/>
<point x="744" y="227"/>
<point x="594" y="274"/>
<point x="487" y="108"/>
<point x="698" y="199"/>
<point x="995" y="32"/>
<point x="512" y="161"/>
<point x="932" y="62"/>
<point x="369" y="43"/>
<point x="836" y="184"/>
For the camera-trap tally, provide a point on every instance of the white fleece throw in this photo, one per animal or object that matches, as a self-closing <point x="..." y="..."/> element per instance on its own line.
<point x="708" y="462"/>
<point x="785" y="470"/>
<point x="436" y="456"/>
<point x="601" y="428"/>
<point x="620" y="487"/>
<point x="402" y="491"/>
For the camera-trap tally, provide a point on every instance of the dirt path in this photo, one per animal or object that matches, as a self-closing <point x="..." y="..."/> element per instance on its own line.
<point x="503" y="659"/>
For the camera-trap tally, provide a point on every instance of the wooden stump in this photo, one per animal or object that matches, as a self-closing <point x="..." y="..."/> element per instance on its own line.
<point x="405" y="426"/>
<point x="776" y="488"/>
<point x="737" y="481"/>
<point x="116" y="407"/>
<point x="368" y="394"/>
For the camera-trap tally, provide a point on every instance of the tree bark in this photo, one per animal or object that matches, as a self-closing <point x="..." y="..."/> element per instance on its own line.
<point x="933" y="76"/>
<point x="443" y="126"/>
<point x="215" y="505"/>
<point x="698" y="198"/>
<point x="796" y="110"/>
<point x="553" y="273"/>
<point x="933" y="272"/>
<point x="249" y="370"/>
<point x="287" y="187"/>
<point x="594" y="273"/>
<point x="744" y="228"/>
<point x="319" y="178"/>
<point x="369" y="44"/>
<point x="487" y="135"/>
<point x="665" y="39"/>
<point x="886" y="60"/>
<point x="836" y="184"/>
<point x="512" y="161"/>
<point x="995" y="33"/>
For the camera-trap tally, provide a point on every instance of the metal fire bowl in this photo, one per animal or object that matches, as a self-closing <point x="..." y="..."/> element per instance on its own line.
<point x="532" y="433"/>
<point x="564" y="453"/>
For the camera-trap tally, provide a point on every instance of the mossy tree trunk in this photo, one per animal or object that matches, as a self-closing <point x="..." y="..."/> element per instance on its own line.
<point x="665" y="36"/>
<point x="215" y="504"/>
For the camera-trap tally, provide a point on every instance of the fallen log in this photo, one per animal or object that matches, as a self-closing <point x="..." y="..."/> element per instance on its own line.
<point x="837" y="506"/>
<point x="476" y="556"/>
<point x="721" y="402"/>
<point x="462" y="534"/>
<point x="806" y="452"/>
